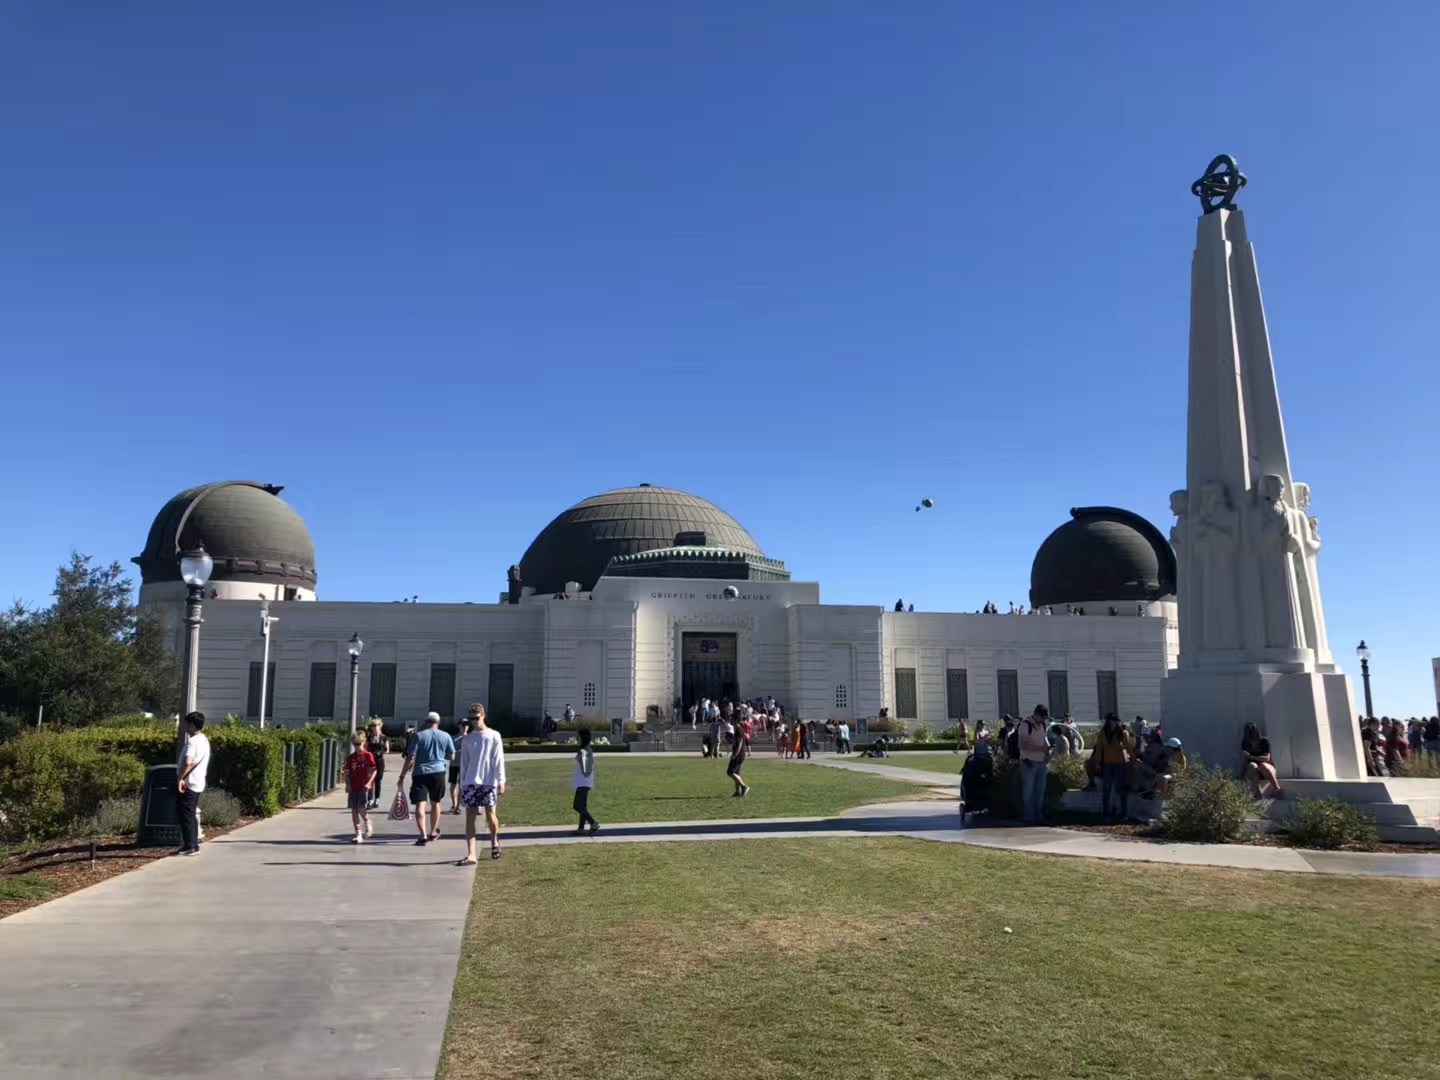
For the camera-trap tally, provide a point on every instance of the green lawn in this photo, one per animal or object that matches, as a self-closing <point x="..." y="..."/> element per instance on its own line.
<point x="687" y="789"/>
<point x="836" y="959"/>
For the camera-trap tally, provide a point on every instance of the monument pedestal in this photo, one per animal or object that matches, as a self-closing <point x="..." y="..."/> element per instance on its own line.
<point x="1309" y="718"/>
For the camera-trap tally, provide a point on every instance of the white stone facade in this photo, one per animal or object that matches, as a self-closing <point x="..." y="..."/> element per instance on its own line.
<point x="616" y="652"/>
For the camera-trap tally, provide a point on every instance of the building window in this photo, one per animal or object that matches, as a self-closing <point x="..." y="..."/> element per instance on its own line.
<point x="587" y="696"/>
<point x="442" y="689"/>
<point x="322" y="692"/>
<point x="382" y="691"/>
<point x="1007" y="691"/>
<point x="957" y="694"/>
<point x="906" y="703"/>
<point x="500" y="702"/>
<point x="842" y="697"/>
<point x="1058" y="684"/>
<point x="1109" y="701"/>
<point x="252" y="699"/>
<point x="291" y="592"/>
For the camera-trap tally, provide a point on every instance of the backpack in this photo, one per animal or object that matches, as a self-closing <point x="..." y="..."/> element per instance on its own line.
<point x="1012" y="744"/>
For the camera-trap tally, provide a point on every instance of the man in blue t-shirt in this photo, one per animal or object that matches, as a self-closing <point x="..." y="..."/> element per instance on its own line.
<point x="429" y="758"/>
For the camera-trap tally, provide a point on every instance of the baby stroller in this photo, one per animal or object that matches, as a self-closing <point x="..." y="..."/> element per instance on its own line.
<point x="977" y="776"/>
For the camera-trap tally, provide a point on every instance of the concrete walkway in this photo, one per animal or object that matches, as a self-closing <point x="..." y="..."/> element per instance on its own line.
<point x="279" y="951"/>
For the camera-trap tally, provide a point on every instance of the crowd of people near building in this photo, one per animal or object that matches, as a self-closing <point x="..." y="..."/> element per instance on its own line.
<point x="1389" y="745"/>
<point x="991" y="608"/>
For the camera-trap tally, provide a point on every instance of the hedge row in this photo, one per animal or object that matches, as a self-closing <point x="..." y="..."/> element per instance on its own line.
<point x="49" y="780"/>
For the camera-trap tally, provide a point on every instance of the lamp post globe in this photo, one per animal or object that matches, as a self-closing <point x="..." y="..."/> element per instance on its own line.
<point x="1363" y="652"/>
<point x="356" y="647"/>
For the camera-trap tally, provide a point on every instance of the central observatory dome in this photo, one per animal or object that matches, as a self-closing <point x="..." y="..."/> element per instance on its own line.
<point x="579" y="544"/>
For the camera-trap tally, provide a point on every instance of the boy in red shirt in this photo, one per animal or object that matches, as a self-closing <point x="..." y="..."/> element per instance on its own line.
<point x="359" y="779"/>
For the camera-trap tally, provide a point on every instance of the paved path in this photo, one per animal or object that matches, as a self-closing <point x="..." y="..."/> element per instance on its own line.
<point x="283" y="952"/>
<point x="279" y="951"/>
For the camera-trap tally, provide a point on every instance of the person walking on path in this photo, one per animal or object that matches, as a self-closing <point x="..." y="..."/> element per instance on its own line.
<point x="429" y="759"/>
<point x="737" y="765"/>
<point x="582" y="776"/>
<point x="465" y="726"/>
<point x="191" y="769"/>
<point x="844" y="730"/>
<point x="1034" y="763"/>
<point x="360" y="786"/>
<point x="377" y="744"/>
<point x="482" y="781"/>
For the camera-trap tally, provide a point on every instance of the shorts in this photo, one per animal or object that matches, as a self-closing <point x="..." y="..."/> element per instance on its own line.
<point x="477" y="796"/>
<point x="428" y="787"/>
<point x="359" y="800"/>
<point x="454" y="775"/>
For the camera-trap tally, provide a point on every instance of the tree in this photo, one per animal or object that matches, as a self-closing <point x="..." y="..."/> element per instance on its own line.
<point x="90" y="655"/>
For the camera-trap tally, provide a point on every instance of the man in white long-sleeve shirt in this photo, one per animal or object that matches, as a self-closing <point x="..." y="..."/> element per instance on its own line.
<point x="482" y="781"/>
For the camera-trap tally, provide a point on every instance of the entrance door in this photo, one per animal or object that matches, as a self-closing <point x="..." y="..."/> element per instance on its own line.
<point x="707" y="668"/>
<point x="500" y="705"/>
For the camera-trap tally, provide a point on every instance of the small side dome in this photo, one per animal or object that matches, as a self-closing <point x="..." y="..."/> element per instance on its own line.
<point x="250" y="532"/>
<point x="1103" y="554"/>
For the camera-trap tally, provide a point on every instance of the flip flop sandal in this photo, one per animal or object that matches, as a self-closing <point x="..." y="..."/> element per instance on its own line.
<point x="495" y="853"/>
<point x="465" y="862"/>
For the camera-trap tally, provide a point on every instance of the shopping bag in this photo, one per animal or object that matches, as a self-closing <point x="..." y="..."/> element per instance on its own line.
<point x="399" y="809"/>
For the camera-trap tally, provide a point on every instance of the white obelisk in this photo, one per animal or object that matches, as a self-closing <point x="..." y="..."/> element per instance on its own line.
<point x="1253" y="647"/>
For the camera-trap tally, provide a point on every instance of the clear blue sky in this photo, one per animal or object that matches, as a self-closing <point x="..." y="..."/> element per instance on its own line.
<point x="444" y="269"/>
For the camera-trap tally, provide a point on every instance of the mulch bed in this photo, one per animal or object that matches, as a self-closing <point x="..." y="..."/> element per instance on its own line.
<point x="64" y="866"/>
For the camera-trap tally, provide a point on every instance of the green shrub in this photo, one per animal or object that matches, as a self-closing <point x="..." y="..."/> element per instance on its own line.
<point x="923" y="734"/>
<point x="153" y="744"/>
<point x="328" y="730"/>
<point x="50" y="781"/>
<point x="1005" y="792"/>
<point x="115" y="817"/>
<point x="1069" y="771"/>
<point x="1207" y="806"/>
<point x="1331" y="824"/>
<point x="128" y="720"/>
<point x="219" y="808"/>
<point x="250" y="765"/>
<point x="305" y="781"/>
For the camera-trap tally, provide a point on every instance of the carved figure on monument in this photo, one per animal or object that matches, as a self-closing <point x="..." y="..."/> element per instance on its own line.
<point x="1211" y="566"/>
<point x="1307" y="529"/>
<point x="1273" y="542"/>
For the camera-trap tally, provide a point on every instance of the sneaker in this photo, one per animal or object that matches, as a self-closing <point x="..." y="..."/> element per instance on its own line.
<point x="357" y="838"/>
<point x="745" y="791"/>
<point x="191" y="851"/>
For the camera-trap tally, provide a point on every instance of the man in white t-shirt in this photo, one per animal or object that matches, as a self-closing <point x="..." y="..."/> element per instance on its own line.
<point x="482" y="781"/>
<point x="192" y="766"/>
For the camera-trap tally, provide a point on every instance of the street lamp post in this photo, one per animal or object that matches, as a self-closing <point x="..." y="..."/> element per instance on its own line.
<point x="1363" y="651"/>
<point x="356" y="645"/>
<point x="195" y="568"/>
<point x="266" y="621"/>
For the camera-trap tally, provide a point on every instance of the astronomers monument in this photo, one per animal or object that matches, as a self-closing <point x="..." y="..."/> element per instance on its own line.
<point x="1253" y="646"/>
